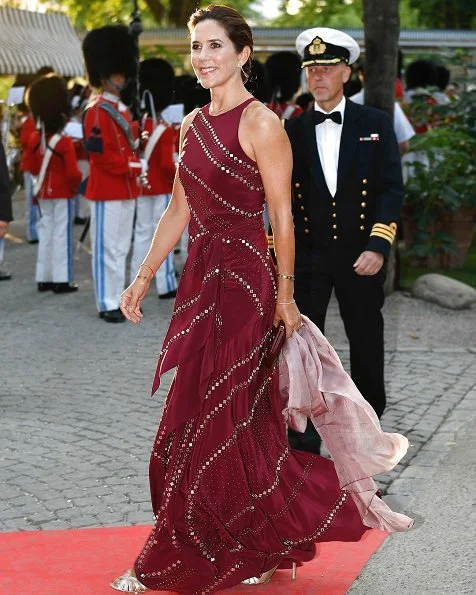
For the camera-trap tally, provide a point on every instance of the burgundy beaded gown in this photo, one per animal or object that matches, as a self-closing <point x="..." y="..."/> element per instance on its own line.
<point x="230" y="497"/>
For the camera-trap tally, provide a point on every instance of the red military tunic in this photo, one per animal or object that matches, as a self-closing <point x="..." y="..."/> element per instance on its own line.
<point x="27" y="127"/>
<point x="161" y="170"/>
<point x="285" y="109"/>
<point x="115" y="169"/>
<point x="62" y="176"/>
<point x="81" y="154"/>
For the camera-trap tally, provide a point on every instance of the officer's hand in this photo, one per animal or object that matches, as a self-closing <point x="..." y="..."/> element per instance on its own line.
<point x="3" y="228"/>
<point x="368" y="263"/>
<point x="132" y="297"/>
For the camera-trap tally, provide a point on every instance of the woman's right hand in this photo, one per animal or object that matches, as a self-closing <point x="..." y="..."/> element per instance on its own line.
<point x="132" y="297"/>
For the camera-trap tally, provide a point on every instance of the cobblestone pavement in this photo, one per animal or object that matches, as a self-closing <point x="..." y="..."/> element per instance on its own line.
<point x="78" y="422"/>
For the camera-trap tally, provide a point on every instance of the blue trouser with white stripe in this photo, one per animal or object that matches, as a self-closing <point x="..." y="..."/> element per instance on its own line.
<point x="55" y="234"/>
<point x="149" y="211"/>
<point x="111" y="235"/>
<point x="31" y="209"/>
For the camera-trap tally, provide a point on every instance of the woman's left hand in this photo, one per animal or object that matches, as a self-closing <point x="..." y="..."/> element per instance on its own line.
<point x="290" y="315"/>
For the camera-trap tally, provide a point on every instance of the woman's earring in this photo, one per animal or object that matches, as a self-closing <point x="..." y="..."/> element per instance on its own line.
<point x="240" y="65"/>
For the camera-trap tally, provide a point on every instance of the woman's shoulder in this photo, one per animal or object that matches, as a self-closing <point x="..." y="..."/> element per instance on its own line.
<point x="258" y="116"/>
<point x="188" y="119"/>
<point x="256" y="110"/>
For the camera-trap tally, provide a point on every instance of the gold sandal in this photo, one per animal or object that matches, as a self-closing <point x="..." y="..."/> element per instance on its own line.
<point x="266" y="576"/>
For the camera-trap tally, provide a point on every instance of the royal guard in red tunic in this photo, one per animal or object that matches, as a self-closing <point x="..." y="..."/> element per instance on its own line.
<point x="27" y="128"/>
<point x="157" y="88"/>
<point x="74" y="129"/>
<point x="283" y="70"/>
<point x="51" y="158"/>
<point x="112" y="144"/>
<point x="421" y="79"/>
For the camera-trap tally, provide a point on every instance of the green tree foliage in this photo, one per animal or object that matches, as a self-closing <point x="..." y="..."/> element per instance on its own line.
<point x="87" y="14"/>
<point x="320" y="13"/>
<point x="445" y="14"/>
<point x="434" y="14"/>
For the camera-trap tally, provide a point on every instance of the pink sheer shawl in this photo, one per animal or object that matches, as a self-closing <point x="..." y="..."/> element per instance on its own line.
<point x="314" y="385"/>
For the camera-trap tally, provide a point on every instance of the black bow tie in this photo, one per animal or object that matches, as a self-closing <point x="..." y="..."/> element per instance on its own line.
<point x="320" y="117"/>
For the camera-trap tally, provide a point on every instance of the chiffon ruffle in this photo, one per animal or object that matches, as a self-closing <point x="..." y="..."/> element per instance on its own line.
<point x="314" y="385"/>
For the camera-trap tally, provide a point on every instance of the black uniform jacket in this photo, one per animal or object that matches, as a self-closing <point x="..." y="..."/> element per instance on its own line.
<point x="365" y="210"/>
<point x="5" y="194"/>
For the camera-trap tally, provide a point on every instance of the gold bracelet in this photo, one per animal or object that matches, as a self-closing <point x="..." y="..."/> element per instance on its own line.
<point x="149" y="267"/>
<point x="284" y="276"/>
<point x="144" y="277"/>
<point x="285" y="303"/>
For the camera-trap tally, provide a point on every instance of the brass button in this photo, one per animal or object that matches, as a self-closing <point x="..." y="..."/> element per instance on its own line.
<point x="364" y="181"/>
<point x="363" y="204"/>
<point x="306" y="218"/>
<point x="334" y="226"/>
<point x="333" y="204"/>
<point x="306" y="230"/>
<point x="334" y="215"/>
<point x="362" y="216"/>
<point x="302" y="207"/>
<point x="362" y="228"/>
<point x="335" y="237"/>
<point x="297" y="185"/>
<point x="364" y="192"/>
<point x="299" y="195"/>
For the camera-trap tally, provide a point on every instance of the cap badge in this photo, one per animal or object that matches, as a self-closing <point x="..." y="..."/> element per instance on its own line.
<point x="317" y="47"/>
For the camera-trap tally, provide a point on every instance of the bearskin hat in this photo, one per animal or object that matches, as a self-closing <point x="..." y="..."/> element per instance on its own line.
<point x="443" y="77"/>
<point x="109" y="50"/>
<point x="44" y="70"/>
<point x="158" y="77"/>
<point x="258" y="82"/>
<point x="182" y="81"/>
<point x="190" y="93"/>
<point x="48" y="100"/>
<point x="283" y="70"/>
<point x="421" y="73"/>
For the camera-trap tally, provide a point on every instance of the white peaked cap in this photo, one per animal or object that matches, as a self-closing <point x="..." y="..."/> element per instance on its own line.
<point x="330" y="38"/>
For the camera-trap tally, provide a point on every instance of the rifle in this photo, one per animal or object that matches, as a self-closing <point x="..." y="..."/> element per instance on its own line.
<point x="135" y="29"/>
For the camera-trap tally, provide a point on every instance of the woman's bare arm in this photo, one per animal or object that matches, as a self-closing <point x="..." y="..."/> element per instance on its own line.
<point x="264" y="140"/>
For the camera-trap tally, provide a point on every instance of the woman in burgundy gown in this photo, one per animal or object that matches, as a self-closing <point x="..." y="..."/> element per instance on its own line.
<point x="230" y="498"/>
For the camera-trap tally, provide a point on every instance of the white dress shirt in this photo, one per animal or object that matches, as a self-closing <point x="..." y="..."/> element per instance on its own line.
<point x="403" y="129"/>
<point x="328" y="135"/>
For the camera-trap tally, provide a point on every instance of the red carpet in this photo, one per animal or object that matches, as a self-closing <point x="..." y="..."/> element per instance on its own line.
<point x="84" y="561"/>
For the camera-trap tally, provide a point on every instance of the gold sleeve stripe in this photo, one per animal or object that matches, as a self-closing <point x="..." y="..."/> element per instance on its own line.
<point x="382" y="235"/>
<point x="383" y="230"/>
<point x="392" y="228"/>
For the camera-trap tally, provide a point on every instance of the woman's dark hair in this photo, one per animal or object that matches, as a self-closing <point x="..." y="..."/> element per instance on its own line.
<point x="236" y="28"/>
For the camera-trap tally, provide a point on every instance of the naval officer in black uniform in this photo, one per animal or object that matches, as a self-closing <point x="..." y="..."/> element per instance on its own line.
<point x="347" y="196"/>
